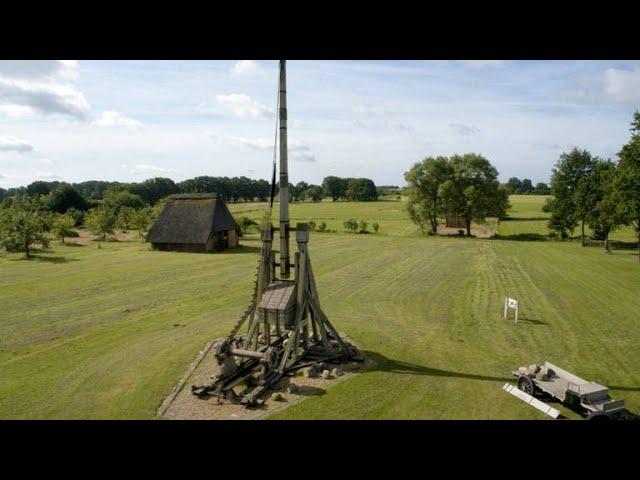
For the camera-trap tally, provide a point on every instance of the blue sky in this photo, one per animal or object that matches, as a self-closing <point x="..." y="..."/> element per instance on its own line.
<point x="132" y="120"/>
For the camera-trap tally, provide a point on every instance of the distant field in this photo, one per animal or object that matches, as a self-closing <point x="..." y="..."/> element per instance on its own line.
<point x="389" y="214"/>
<point x="526" y="217"/>
<point x="106" y="333"/>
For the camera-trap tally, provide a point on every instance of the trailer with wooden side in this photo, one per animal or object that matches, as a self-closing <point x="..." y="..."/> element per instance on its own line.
<point x="591" y="398"/>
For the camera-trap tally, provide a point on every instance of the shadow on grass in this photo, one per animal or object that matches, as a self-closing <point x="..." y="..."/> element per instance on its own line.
<point x="45" y="258"/>
<point x="531" y="320"/>
<point x="72" y="244"/>
<point x="243" y="249"/>
<point x="384" y="364"/>
<point x="522" y="237"/>
<point x="522" y="219"/>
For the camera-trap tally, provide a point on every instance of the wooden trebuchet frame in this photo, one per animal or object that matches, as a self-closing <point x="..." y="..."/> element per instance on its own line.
<point x="278" y="341"/>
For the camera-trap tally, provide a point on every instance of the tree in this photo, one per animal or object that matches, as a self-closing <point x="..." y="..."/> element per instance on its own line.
<point x="334" y="187"/>
<point x="100" y="221"/>
<point x="361" y="190"/>
<point x="298" y="191"/>
<point x="24" y="223"/>
<point x="424" y="180"/>
<point x="142" y="219"/>
<point x="627" y="182"/>
<point x="598" y="204"/>
<point x="541" y="189"/>
<point x="124" y="218"/>
<point x="153" y="189"/>
<point x="63" y="226"/>
<point x="527" y="186"/>
<point x="3" y="194"/>
<point x="116" y="198"/>
<point x="473" y="191"/>
<point x="566" y="175"/>
<point x="420" y="215"/>
<point x="314" y="193"/>
<point x="351" y="225"/>
<point x="64" y="197"/>
<point x="514" y="184"/>
<point x="40" y="188"/>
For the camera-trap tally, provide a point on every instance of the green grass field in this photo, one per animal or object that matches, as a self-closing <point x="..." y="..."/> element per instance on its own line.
<point x="106" y="333"/>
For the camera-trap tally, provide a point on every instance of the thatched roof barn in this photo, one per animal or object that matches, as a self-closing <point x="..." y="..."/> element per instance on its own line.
<point x="194" y="222"/>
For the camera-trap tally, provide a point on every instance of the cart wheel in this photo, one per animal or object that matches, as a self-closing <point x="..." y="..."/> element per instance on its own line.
<point x="526" y="384"/>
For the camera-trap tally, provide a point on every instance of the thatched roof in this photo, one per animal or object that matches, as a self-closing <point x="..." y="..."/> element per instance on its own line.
<point x="190" y="218"/>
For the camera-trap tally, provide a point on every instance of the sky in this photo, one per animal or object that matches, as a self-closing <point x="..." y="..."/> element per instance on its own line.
<point x="83" y="120"/>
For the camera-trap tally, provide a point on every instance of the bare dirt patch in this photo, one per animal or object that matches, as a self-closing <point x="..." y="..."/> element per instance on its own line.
<point x="479" y="230"/>
<point x="181" y="404"/>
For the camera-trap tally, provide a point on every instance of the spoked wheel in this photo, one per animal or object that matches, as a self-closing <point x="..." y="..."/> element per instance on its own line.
<point x="526" y="385"/>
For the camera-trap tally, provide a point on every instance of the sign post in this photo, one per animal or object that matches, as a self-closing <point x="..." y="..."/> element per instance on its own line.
<point x="513" y="304"/>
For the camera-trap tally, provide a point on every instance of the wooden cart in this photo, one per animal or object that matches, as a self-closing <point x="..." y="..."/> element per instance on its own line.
<point x="590" y="397"/>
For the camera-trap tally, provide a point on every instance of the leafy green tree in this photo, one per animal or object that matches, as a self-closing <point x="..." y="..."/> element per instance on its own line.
<point x="314" y="193"/>
<point x="125" y="218"/>
<point x="514" y="184"/>
<point x="473" y="191"/>
<point x="541" y="189"/>
<point x="363" y="225"/>
<point x="424" y="181"/>
<point x="116" y="198"/>
<point x="375" y="227"/>
<point x="40" y="188"/>
<point x="63" y="197"/>
<point x="627" y="182"/>
<point x="141" y="220"/>
<point x="101" y="221"/>
<point x="361" y="190"/>
<point x="153" y="189"/>
<point x="322" y="227"/>
<point x="566" y="175"/>
<point x="597" y="193"/>
<point x="3" y="194"/>
<point x="334" y="187"/>
<point x="351" y="225"/>
<point x="24" y="223"/>
<point x="63" y="226"/>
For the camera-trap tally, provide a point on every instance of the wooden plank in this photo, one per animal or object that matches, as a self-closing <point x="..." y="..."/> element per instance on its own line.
<point x="534" y="402"/>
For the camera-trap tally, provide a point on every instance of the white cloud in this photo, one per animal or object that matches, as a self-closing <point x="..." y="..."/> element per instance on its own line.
<point x="16" y="111"/>
<point x="38" y="69"/>
<point x="463" y="129"/>
<point x="45" y="161"/>
<point x="35" y="86"/>
<point x="147" y="169"/>
<point x="47" y="176"/>
<point x="13" y="144"/>
<point x="24" y="96"/>
<point x="111" y="118"/>
<point x="622" y="85"/>
<point x="243" y="106"/>
<point x="483" y="63"/>
<point x="246" y="67"/>
<point x="305" y="158"/>
<point x="263" y="143"/>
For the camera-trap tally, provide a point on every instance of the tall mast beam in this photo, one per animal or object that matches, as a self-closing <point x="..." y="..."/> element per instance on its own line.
<point x="284" y="176"/>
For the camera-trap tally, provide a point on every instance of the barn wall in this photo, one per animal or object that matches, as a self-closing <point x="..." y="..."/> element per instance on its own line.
<point x="232" y="239"/>
<point x="179" y="247"/>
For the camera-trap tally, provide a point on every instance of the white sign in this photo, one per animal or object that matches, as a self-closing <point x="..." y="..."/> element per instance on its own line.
<point x="510" y="303"/>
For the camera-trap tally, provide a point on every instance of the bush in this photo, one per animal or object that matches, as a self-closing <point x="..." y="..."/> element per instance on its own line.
<point x="375" y="227"/>
<point x="351" y="225"/>
<point x="312" y="225"/>
<point x="363" y="226"/>
<point x="322" y="227"/>
<point x="246" y="223"/>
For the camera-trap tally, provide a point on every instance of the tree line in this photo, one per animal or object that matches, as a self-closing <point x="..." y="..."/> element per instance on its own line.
<point x="463" y="186"/>
<point x="590" y="191"/>
<point x="525" y="187"/>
